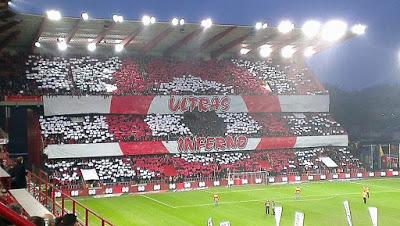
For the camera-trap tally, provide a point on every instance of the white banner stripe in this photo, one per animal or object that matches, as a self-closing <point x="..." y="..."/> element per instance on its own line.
<point x="65" y="105"/>
<point x="321" y="141"/>
<point x="55" y="151"/>
<point x="304" y="103"/>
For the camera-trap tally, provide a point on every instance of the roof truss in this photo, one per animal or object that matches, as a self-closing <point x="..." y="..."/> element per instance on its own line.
<point x="154" y="42"/>
<point x="103" y="33"/>
<point x="216" y="53"/>
<point x="177" y="45"/>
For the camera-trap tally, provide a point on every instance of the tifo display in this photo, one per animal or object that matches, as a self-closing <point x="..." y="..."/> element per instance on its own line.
<point x="160" y="76"/>
<point x="176" y="118"/>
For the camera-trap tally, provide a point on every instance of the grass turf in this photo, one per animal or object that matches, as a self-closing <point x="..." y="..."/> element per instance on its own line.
<point x="322" y="204"/>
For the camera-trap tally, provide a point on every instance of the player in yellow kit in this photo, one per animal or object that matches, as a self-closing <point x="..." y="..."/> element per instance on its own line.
<point x="297" y="192"/>
<point x="216" y="200"/>
<point x="366" y="189"/>
<point x="364" y="196"/>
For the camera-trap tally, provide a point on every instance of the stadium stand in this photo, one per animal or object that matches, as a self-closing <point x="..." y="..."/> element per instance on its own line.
<point x="310" y="159"/>
<point x="315" y="123"/>
<point x="283" y="79"/>
<point x="110" y="128"/>
<point x="157" y="119"/>
<point x="159" y="76"/>
<point x="188" y="166"/>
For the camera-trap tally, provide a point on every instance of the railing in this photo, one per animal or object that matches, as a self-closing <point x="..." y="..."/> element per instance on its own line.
<point x="81" y="185"/>
<point x="13" y="217"/>
<point x="60" y="203"/>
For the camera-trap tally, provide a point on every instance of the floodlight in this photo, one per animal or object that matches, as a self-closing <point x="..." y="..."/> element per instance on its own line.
<point x="265" y="51"/>
<point x="309" y="51"/>
<point x="181" y="21"/>
<point x="244" y="51"/>
<point x="359" y="29"/>
<point x="258" y="25"/>
<point x="152" y="20"/>
<point x="285" y="26"/>
<point x="119" y="47"/>
<point x="288" y="51"/>
<point x="311" y="28"/>
<point x="264" y="26"/>
<point x="206" y="23"/>
<point x="146" y="20"/>
<point x="175" y="21"/>
<point x="85" y="16"/>
<point x="334" y="30"/>
<point x="62" y="45"/>
<point x="117" y="18"/>
<point x="91" y="47"/>
<point x="37" y="44"/>
<point x="53" y="15"/>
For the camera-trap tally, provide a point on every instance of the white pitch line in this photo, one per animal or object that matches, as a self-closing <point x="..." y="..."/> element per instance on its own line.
<point x="375" y="185"/>
<point x="157" y="201"/>
<point x="292" y="199"/>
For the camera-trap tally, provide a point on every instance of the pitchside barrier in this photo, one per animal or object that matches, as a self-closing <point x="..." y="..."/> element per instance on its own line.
<point x="60" y="203"/>
<point x="203" y="183"/>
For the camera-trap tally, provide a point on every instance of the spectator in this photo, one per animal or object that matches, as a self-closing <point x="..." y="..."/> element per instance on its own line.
<point x="19" y="173"/>
<point x="67" y="220"/>
<point x="38" y="221"/>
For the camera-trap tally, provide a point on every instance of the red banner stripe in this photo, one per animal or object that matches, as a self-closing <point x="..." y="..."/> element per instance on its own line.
<point x="130" y="104"/>
<point x="143" y="148"/>
<point x="262" y="103"/>
<point x="276" y="143"/>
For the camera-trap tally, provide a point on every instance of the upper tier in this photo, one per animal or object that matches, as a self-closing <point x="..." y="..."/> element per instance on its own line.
<point x="159" y="76"/>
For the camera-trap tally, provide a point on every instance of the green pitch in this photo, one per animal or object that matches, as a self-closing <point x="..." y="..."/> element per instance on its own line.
<point x="322" y="204"/>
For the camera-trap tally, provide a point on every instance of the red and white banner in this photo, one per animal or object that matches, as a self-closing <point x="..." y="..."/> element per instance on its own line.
<point x="298" y="219"/>
<point x="373" y="213"/>
<point x="348" y="212"/>
<point x="191" y="145"/>
<point x="278" y="215"/>
<point x="64" y="105"/>
<point x="23" y="99"/>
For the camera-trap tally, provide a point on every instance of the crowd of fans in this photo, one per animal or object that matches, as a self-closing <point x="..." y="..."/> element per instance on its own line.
<point x="92" y="75"/>
<point x="309" y="159"/>
<point x="87" y="75"/>
<point x="240" y="123"/>
<point x="188" y="84"/>
<point x="313" y="124"/>
<point x="282" y="79"/>
<point x="190" y="166"/>
<point x="112" y="128"/>
<point x="86" y="129"/>
<point x="167" y="125"/>
<point x="52" y="75"/>
<point x="145" y="168"/>
<point x="128" y="127"/>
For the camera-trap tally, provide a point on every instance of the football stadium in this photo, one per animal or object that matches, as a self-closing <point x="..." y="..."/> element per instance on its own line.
<point x="137" y="120"/>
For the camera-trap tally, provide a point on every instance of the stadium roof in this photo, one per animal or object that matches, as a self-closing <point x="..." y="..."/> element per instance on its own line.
<point x="21" y="31"/>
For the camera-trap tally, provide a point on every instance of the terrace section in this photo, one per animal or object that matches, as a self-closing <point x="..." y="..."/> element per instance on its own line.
<point x="261" y="86"/>
<point x="117" y="135"/>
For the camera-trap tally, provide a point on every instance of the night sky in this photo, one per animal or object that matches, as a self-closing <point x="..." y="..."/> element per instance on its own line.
<point x="358" y="63"/>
